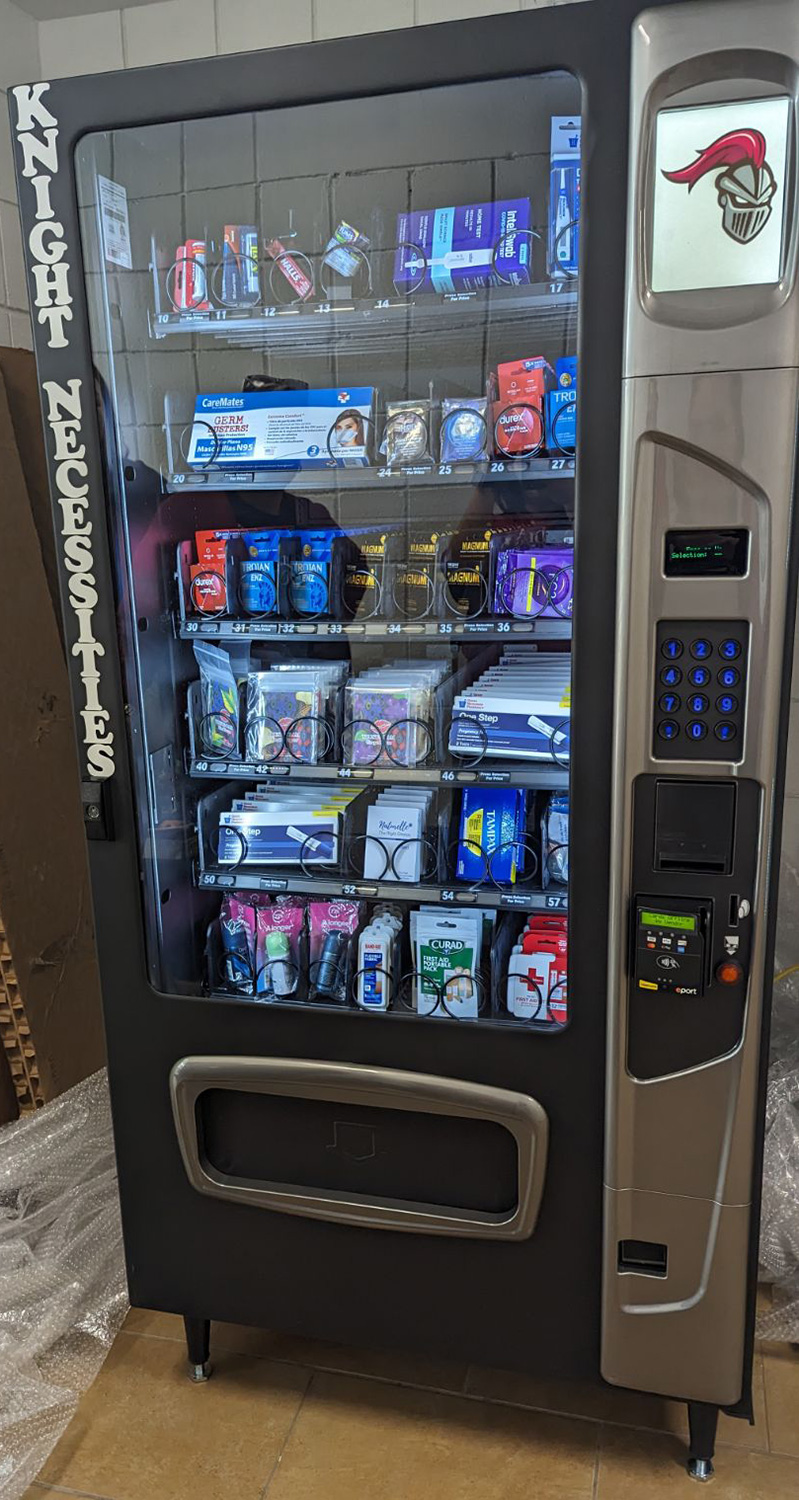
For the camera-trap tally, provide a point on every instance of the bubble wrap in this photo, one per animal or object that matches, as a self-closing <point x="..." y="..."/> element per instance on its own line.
<point x="62" y="1273"/>
<point x="779" y="1227"/>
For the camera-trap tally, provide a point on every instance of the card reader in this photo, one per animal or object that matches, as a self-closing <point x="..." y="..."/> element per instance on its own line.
<point x="670" y="945"/>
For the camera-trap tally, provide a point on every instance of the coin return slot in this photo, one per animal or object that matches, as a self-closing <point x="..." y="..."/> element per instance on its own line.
<point x="642" y="1258"/>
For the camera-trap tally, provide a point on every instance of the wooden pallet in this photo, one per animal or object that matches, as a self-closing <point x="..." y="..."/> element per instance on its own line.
<point x="15" y="1035"/>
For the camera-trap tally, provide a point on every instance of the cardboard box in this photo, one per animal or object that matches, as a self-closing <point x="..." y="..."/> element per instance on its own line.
<point x="49" y="968"/>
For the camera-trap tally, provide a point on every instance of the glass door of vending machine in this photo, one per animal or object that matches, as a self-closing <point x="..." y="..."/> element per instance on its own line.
<point x="338" y="561"/>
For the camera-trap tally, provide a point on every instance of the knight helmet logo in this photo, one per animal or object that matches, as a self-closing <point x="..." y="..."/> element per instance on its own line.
<point x="746" y="187"/>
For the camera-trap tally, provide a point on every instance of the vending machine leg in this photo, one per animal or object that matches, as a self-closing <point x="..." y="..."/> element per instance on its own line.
<point x="198" y="1345"/>
<point x="702" y="1422"/>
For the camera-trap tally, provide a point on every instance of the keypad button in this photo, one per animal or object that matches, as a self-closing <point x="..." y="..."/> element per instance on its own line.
<point x="725" y="731"/>
<point x="730" y="649"/>
<point x="727" y="703"/>
<point x="672" y="648"/>
<point x="696" y="729"/>
<point x="699" y="676"/>
<point x="697" y="703"/>
<point x="670" y="702"/>
<point x="668" y="730"/>
<point x="729" y="677"/>
<point x="700" y="649"/>
<point x="671" y="676"/>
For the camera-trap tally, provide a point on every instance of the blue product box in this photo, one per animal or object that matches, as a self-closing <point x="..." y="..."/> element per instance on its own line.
<point x="259" y="573"/>
<point x="566" y="372"/>
<point x="491" y="819"/>
<point x="561" y="421"/>
<point x="463" y="249"/>
<point x="283" y="429"/>
<point x="563" y="237"/>
<point x="310" y="572"/>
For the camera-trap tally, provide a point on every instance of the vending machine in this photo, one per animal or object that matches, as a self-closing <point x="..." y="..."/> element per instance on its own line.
<point x="421" y="417"/>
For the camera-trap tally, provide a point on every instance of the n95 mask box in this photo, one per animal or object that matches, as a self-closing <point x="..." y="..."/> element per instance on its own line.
<point x="283" y="429"/>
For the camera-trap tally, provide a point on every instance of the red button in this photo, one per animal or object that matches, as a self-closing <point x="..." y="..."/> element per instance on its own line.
<point x="729" y="972"/>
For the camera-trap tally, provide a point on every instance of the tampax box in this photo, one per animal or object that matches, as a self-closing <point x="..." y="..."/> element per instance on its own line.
<point x="463" y="249"/>
<point x="563" y="228"/>
<point x="283" y="429"/>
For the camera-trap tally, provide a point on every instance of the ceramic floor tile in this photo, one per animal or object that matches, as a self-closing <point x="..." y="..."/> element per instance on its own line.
<point x="634" y="1465"/>
<point x="634" y="1409"/>
<point x="575" y="1398"/>
<point x="158" y="1324"/>
<point x="404" y="1369"/>
<point x="608" y="1403"/>
<point x="143" y="1429"/>
<point x="781" y="1365"/>
<point x="39" y="1491"/>
<point x="260" y="1343"/>
<point x="390" y="1443"/>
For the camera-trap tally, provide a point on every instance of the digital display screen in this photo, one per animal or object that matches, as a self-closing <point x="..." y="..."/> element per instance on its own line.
<point x="719" y="194"/>
<point x="668" y="919"/>
<point x="707" y="554"/>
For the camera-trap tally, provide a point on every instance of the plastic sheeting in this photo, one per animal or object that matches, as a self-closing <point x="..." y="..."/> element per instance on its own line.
<point x="779" y="1226"/>
<point x="63" y="1294"/>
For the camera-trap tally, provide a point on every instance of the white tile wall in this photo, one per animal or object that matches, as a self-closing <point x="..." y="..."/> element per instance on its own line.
<point x="19" y="46"/>
<point x="244" y="25"/>
<point x="81" y="44"/>
<point x="167" y="31"/>
<point x="429" y="11"/>
<point x="351" y="17"/>
<point x="170" y="30"/>
<point x="19" y="63"/>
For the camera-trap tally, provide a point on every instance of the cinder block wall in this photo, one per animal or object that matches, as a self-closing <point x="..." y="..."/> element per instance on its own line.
<point x="170" y="30"/>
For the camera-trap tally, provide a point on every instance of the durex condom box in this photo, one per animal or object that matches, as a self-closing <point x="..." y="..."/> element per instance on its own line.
<point x="464" y="249"/>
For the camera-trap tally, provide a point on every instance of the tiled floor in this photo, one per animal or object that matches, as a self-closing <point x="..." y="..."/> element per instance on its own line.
<point x="287" y="1419"/>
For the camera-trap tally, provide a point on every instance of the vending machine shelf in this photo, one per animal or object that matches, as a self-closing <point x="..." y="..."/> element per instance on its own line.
<point x="526" y="899"/>
<point x="546" y="775"/>
<point x="548" y="308"/>
<point x="335" y="480"/>
<point x="454" y="630"/>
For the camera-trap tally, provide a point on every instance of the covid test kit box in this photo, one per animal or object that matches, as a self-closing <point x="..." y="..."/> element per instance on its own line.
<point x="463" y="249"/>
<point x="283" y="429"/>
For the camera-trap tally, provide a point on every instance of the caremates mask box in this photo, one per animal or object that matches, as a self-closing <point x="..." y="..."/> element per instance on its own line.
<point x="283" y="429"/>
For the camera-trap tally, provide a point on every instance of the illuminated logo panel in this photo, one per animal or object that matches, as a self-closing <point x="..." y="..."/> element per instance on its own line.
<point x="719" y="199"/>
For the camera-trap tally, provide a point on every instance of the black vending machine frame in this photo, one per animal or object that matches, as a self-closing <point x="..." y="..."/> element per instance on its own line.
<point x="534" y="1304"/>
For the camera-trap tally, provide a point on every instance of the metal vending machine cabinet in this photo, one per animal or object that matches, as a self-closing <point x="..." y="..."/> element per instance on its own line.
<point x="393" y="439"/>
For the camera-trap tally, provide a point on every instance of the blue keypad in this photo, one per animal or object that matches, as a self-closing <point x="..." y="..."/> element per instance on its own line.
<point x="707" y="722"/>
